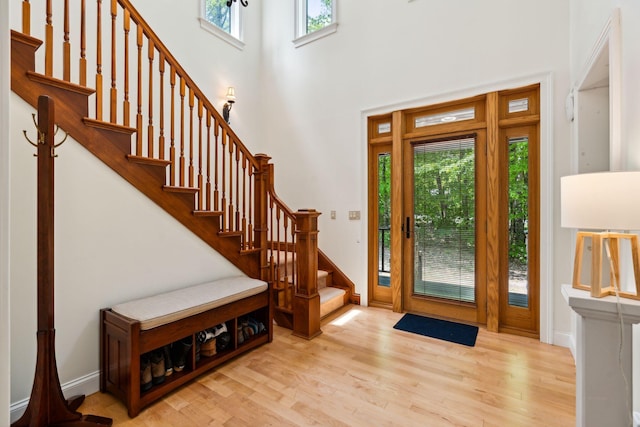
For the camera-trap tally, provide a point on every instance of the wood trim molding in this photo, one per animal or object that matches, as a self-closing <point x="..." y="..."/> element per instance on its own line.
<point x="493" y="213"/>
<point x="397" y="214"/>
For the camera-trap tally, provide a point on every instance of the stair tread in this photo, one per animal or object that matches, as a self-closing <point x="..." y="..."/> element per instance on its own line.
<point x="63" y="84"/>
<point x="177" y="189"/>
<point x="207" y="213"/>
<point x="331" y="299"/>
<point x="101" y="124"/>
<point x="329" y="293"/>
<point x="249" y="251"/>
<point x="148" y="160"/>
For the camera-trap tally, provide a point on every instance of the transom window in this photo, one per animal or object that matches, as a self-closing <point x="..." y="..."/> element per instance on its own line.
<point x="314" y="19"/>
<point x="223" y="21"/>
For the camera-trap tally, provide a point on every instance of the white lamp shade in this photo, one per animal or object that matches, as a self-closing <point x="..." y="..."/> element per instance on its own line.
<point x="601" y="201"/>
<point x="231" y="94"/>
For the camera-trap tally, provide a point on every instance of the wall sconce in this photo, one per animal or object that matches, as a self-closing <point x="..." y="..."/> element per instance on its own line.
<point x="231" y="98"/>
<point x="603" y="201"/>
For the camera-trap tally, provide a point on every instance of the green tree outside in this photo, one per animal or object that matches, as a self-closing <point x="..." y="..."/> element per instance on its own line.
<point x="322" y="18"/>
<point x="219" y="14"/>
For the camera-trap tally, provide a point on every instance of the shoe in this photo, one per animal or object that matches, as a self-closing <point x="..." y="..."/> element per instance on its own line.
<point x="222" y="341"/>
<point x="240" y="335"/>
<point x="145" y="373"/>
<point x="168" y="365"/>
<point x="219" y="329"/>
<point x="157" y="366"/>
<point x="208" y="348"/>
<point x="258" y="327"/>
<point x="179" y="351"/>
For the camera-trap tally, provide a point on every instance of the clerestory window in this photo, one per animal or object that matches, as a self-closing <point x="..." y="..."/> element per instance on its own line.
<point x="314" y="19"/>
<point x="223" y="21"/>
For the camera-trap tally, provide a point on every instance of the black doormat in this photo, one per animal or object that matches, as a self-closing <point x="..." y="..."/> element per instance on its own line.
<point x="440" y="329"/>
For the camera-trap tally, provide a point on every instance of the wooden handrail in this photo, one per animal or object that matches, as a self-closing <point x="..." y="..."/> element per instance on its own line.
<point x="175" y="122"/>
<point x="151" y="35"/>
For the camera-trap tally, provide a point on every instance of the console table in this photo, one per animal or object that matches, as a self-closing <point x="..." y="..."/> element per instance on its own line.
<point x="602" y="396"/>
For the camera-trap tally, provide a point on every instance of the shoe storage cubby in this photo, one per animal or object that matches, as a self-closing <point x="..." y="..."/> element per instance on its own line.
<point x="124" y="344"/>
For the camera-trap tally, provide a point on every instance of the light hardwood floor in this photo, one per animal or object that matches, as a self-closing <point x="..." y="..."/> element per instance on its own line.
<point x="362" y="372"/>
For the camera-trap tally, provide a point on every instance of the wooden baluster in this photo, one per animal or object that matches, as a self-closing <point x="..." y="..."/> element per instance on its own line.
<point x="151" y="56"/>
<point x="99" y="61"/>
<point x="277" y="242"/>
<point x="161" y="140"/>
<point x="48" y="42"/>
<point x="294" y="267"/>
<point x="181" y="166"/>
<point x="83" y="44"/>
<point x="26" y="17"/>
<point x="285" y="247"/>
<point x="139" y="83"/>
<point x="223" y="201"/>
<point x="282" y="268"/>
<point x="274" y="255"/>
<point x="126" y="113"/>
<point x="231" y="215"/>
<point x="191" y="170"/>
<point x="245" y="240"/>
<point x="269" y="242"/>
<point x="200" y="176"/>
<point x="250" y="235"/>
<point x="237" y="212"/>
<point x="208" y="189"/>
<point x="66" y="46"/>
<point x="172" y="148"/>
<point x="216" y="191"/>
<point x="113" y="108"/>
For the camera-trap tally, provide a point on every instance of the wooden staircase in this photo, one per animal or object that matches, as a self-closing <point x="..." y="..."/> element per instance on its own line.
<point x="181" y="154"/>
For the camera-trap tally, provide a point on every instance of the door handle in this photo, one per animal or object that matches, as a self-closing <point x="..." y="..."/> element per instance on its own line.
<point x="407" y="229"/>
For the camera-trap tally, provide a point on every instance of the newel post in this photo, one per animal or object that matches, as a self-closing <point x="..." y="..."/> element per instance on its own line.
<point x="261" y="182"/>
<point x="306" y="304"/>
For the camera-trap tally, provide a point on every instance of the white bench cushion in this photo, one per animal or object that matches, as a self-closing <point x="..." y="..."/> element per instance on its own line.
<point x="165" y="308"/>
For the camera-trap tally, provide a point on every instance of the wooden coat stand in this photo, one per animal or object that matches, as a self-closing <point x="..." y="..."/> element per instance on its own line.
<point x="47" y="405"/>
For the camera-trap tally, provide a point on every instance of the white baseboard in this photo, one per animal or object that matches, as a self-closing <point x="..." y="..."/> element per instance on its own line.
<point x="564" y="339"/>
<point x="86" y="385"/>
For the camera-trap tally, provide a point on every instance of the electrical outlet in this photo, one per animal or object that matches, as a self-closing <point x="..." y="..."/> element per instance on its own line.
<point x="333" y="214"/>
<point x="354" y="215"/>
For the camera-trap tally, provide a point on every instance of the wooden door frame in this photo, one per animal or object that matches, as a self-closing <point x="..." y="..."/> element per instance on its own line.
<point x="544" y="81"/>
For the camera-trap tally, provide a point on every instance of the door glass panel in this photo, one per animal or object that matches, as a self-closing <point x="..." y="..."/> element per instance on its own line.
<point x="444" y="219"/>
<point x="384" y="219"/>
<point x="518" y="105"/>
<point x="446" y="117"/>
<point x="518" y="221"/>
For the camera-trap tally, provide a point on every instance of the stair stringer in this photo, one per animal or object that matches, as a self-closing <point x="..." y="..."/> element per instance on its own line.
<point x="112" y="144"/>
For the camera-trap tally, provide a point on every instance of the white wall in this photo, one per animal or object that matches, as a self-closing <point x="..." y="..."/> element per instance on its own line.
<point x="305" y="107"/>
<point x="385" y="56"/>
<point x="5" y="168"/>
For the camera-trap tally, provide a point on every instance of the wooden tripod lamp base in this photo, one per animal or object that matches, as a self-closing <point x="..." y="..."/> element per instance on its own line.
<point x="610" y="243"/>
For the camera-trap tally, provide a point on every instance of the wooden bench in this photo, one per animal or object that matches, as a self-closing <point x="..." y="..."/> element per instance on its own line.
<point x="137" y="327"/>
